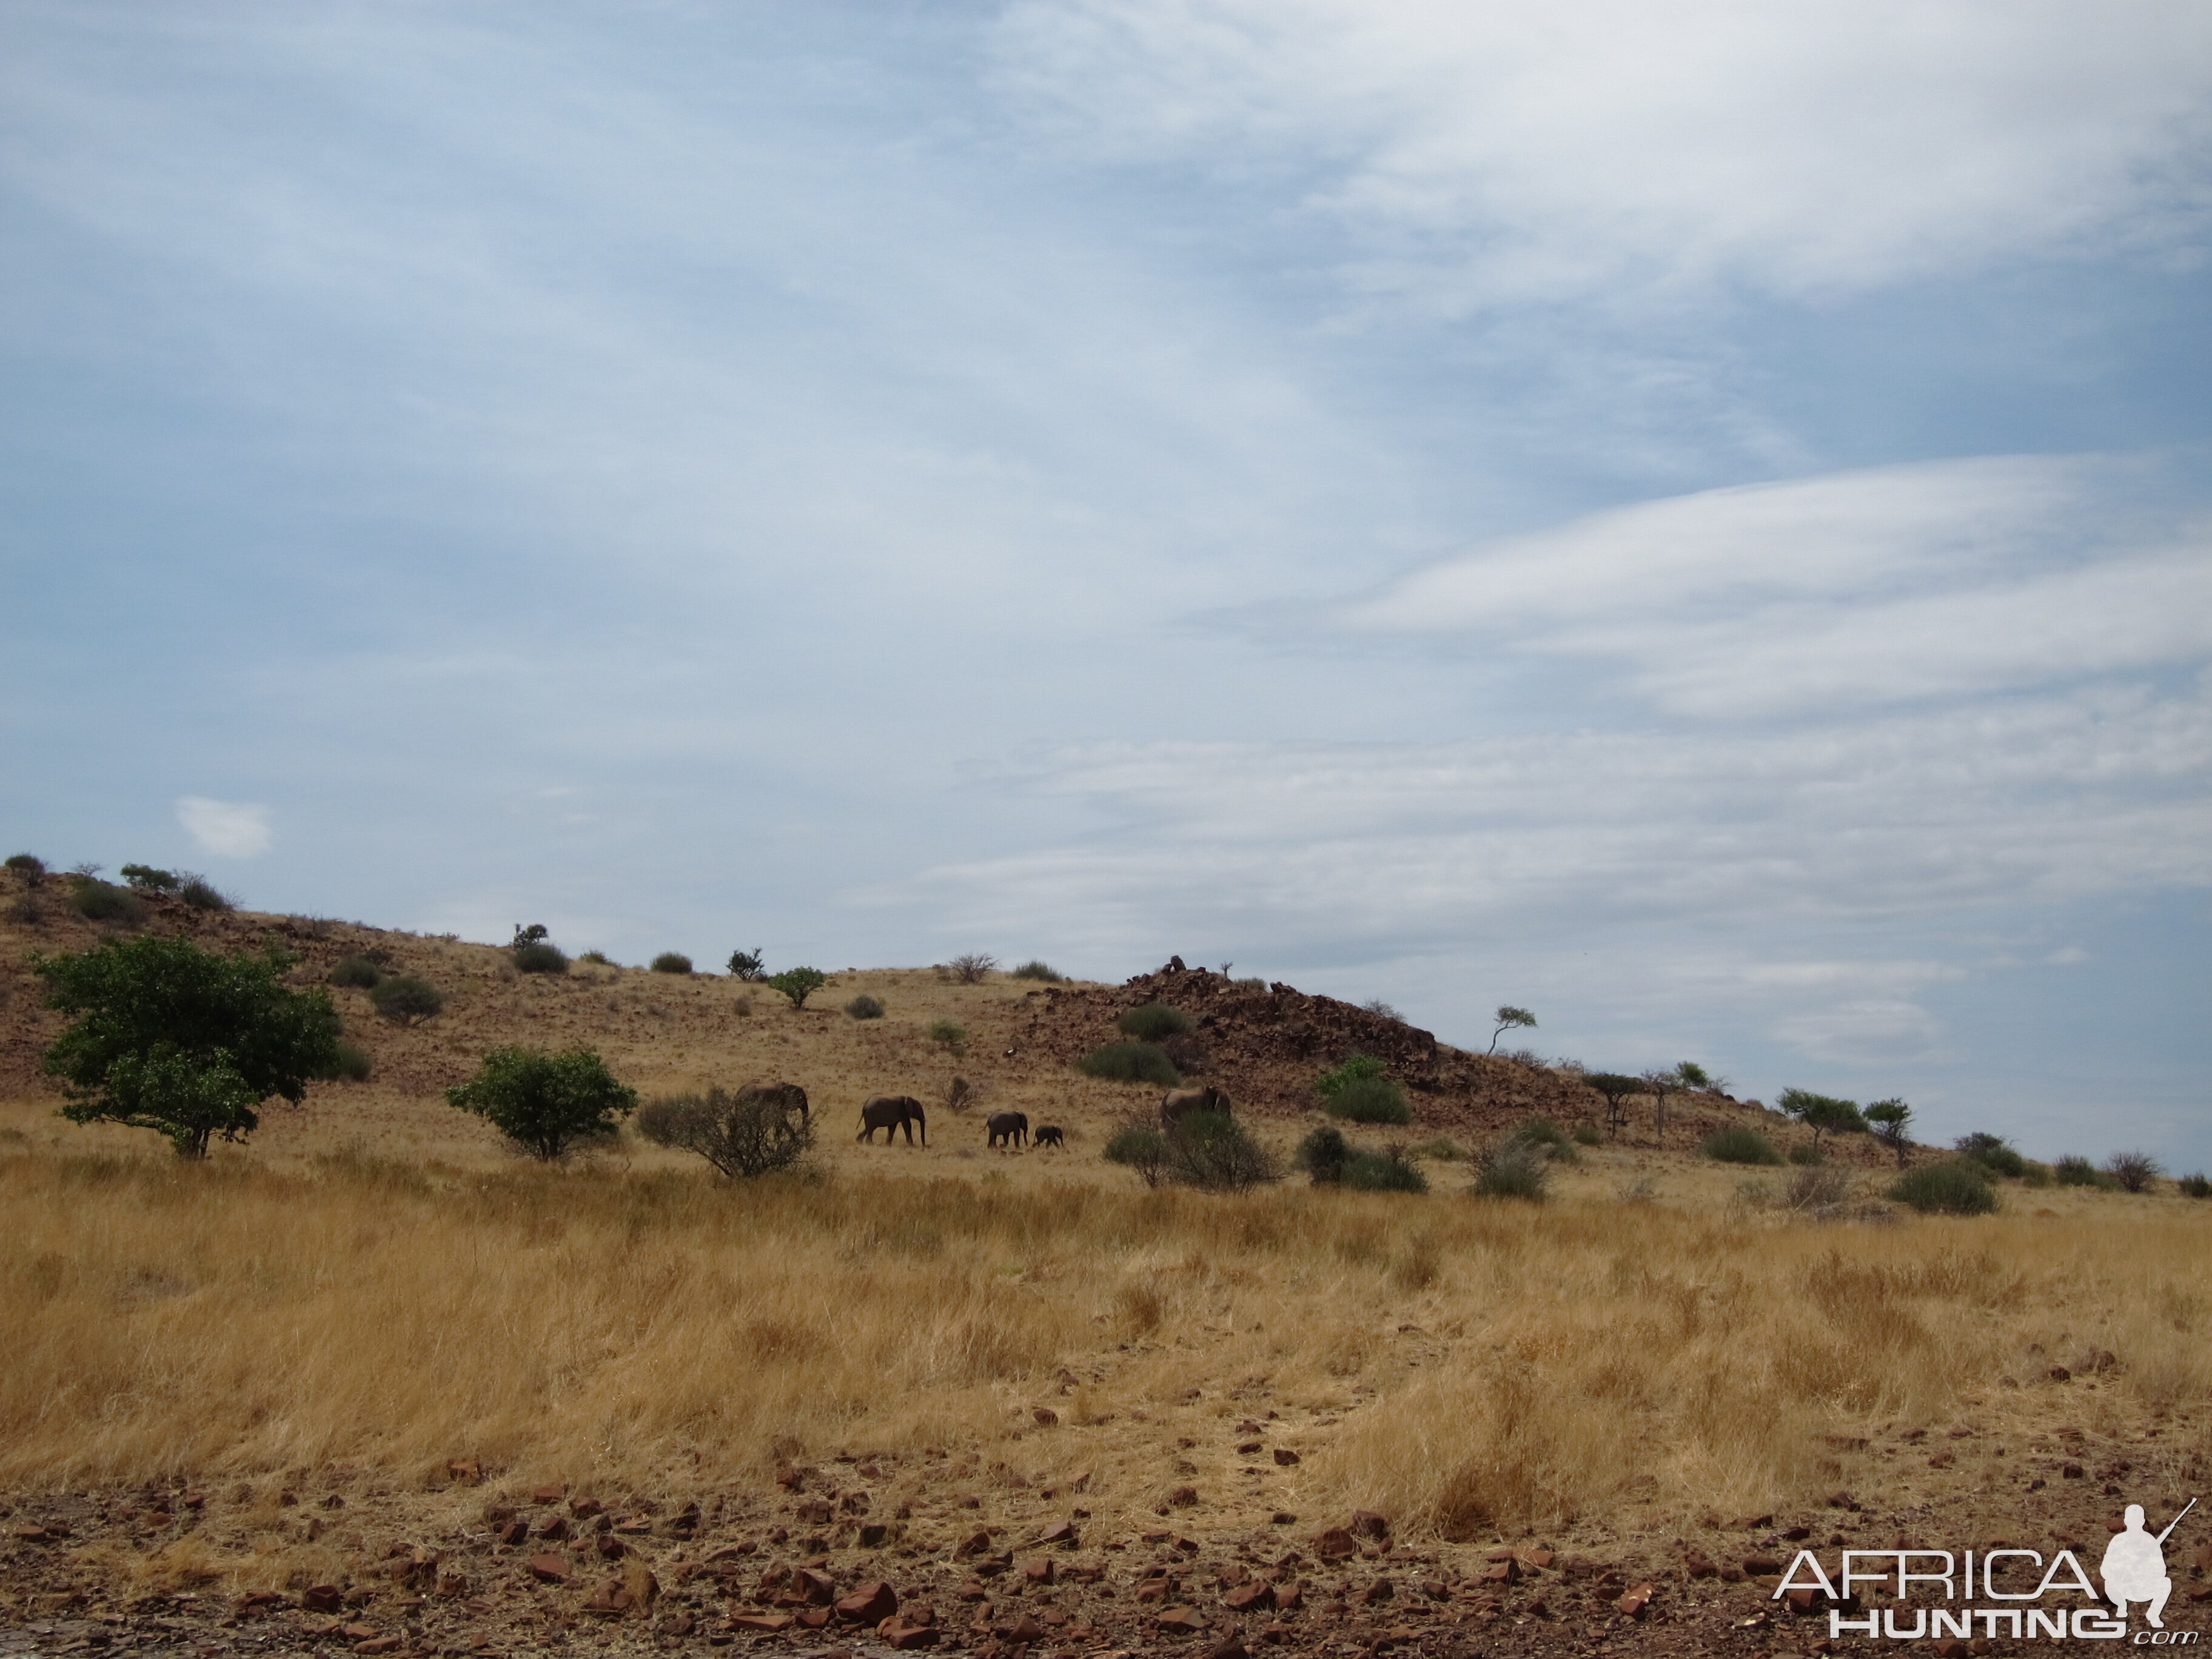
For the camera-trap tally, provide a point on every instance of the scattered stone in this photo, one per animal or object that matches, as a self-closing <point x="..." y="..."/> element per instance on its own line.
<point x="869" y="1604"/>
<point x="1377" y="1593"/>
<point x="551" y="1568"/>
<point x="873" y="1535"/>
<point x="979" y="1543"/>
<point x="761" y="1621"/>
<point x="1756" y="1565"/>
<point x="1180" y="1621"/>
<point x="554" y="1530"/>
<point x="465" y="1470"/>
<point x="2060" y="1374"/>
<point x="1365" y="1523"/>
<point x="585" y="1508"/>
<point x="1250" y="1598"/>
<point x="1046" y="1417"/>
<point x="1251" y="1448"/>
<point x="1282" y="1518"/>
<point x="1285" y="1457"/>
<point x="1635" y="1601"/>
<point x="1336" y="1545"/>
<point x="815" y="1586"/>
<point x="549" y="1494"/>
<point x="1038" y="1571"/>
<point x="322" y="1598"/>
<point x="1183" y="1497"/>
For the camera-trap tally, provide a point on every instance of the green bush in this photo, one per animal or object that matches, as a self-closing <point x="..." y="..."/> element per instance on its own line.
<point x="1739" y="1144"/>
<point x="1356" y="1068"/>
<point x="165" y="1036"/>
<point x="1153" y="1021"/>
<point x="539" y="957"/>
<point x="2194" y="1186"/>
<point x="952" y="1038"/>
<point x="1212" y="1152"/>
<point x="1370" y="1100"/>
<point x="1322" y="1155"/>
<point x="2032" y="1174"/>
<point x="1138" y="1146"/>
<point x="865" y="1007"/>
<point x="1807" y="1156"/>
<point x="1993" y="1152"/>
<point x="406" y="1001"/>
<point x="750" y="1133"/>
<point x="747" y="965"/>
<point x="1956" y="1187"/>
<point x="99" y="900"/>
<point x="147" y="879"/>
<point x="1546" y="1136"/>
<point x="1387" y="1172"/>
<point x="349" y="1065"/>
<point x="1036" y="969"/>
<point x="597" y="958"/>
<point x="1587" y="1134"/>
<point x="545" y="1103"/>
<point x="1513" y="1169"/>
<point x="2134" y="1172"/>
<point x="202" y="894"/>
<point x="1130" y="1062"/>
<point x="29" y="865"/>
<point x="671" y="962"/>
<point x="357" y="973"/>
<point x="2072" y="1171"/>
<point x="797" y="984"/>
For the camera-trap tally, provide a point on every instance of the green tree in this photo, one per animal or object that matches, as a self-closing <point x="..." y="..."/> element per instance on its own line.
<point x="1616" y="1087"/>
<point x="747" y="965"/>
<point x="165" y="1036"/>
<point x="1508" y="1018"/>
<point x="544" y="1103"/>
<point x="1891" y="1120"/>
<point x="1821" y="1114"/>
<point x="798" y="983"/>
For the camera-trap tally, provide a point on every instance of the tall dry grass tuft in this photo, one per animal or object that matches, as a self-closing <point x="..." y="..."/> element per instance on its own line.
<point x="1494" y="1366"/>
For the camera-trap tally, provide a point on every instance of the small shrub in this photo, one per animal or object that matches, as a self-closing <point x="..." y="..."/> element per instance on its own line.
<point x="1587" y="1134"/>
<point x="29" y="865"/>
<point x="1138" y="1146"/>
<point x="202" y="894"/>
<point x="671" y="962"/>
<point x="357" y="973"/>
<point x="2194" y="1186"/>
<point x="2032" y="1174"/>
<point x="26" y="911"/>
<point x="2134" y="1172"/>
<point x="1212" y="1152"/>
<point x="405" y="999"/>
<point x="797" y="984"/>
<point x="865" y="1007"/>
<point x="1036" y="969"/>
<point x="1513" y="1169"/>
<point x="1153" y="1021"/>
<point x="1256" y="982"/>
<point x="597" y="958"/>
<point x="1993" y="1152"/>
<point x="2072" y="1171"/>
<point x="1807" y="1157"/>
<point x="1386" y="1171"/>
<point x="147" y="879"/>
<point x="1130" y="1062"/>
<point x="743" y="1007"/>
<point x="1376" y="1006"/>
<point x="1370" y="1100"/>
<point x="969" y="969"/>
<point x="1322" y="1155"/>
<point x="1818" y="1187"/>
<point x="952" y="1038"/>
<point x="1544" y="1134"/>
<point x="100" y="900"/>
<point x="960" y="1095"/>
<point x="351" y="1064"/>
<point x="748" y="965"/>
<point x="1444" y="1148"/>
<point x="1739" y="1144"/>
<point x="538" y="956"/>
<point x="740" y="1134"/>
<point x="545" y="1103"/>
<point x="1956" y="1187"/>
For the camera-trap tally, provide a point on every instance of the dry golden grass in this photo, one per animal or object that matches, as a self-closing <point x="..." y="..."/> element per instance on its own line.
<point x="1472" y="1369"/>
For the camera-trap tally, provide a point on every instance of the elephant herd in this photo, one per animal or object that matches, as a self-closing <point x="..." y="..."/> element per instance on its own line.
<point x="892" y="1113"/>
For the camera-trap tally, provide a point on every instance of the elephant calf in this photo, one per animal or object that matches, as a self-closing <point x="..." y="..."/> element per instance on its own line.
<point x="1048" y="1134"/>
<point x="1007" y="1128"/>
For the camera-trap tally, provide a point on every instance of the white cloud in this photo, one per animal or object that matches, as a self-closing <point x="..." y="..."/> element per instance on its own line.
<point x="1481" y="153"/>
<point x="1862" y="1031"/>
<point x="1899" y="583"/>
<point x="223" y="829"/>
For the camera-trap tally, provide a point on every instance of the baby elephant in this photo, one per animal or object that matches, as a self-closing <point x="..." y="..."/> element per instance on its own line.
<point x="1008" y="1129"/>
<point x="1048" y="1134"/>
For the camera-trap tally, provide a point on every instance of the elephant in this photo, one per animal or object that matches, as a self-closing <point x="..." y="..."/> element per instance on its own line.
<point x="1178" y="1103"/>
<point x="891" y="1114"/>
<point x="1011" y="1128"/>
<point x="1048" y="1134"/>
<point x="789" y="1096"/>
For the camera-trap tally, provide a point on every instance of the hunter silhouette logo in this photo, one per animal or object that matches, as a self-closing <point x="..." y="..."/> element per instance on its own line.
<point x="2133" y="1569"/>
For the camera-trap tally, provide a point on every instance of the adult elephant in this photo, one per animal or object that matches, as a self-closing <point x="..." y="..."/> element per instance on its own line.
<point x="1007" y="1128"/>
<point x="891" y="1114"/>
<point x="1179" y="1103"/>
<point x="788" y="1096"/>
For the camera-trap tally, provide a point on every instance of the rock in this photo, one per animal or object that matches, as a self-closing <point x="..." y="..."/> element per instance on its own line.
<point x="869" y="1604"/>
<point x="978" y="1543"/>
<point x="1635" y="1601"/>
<point x="1800" y="1598"/>
<point x="1336" y="1545"/>
<point x="1507" y="1571"/>
<point x="549" y="1494"/>
<point x="817" y="1587"/>
<point x="379" y="1644"/>
<point x="1537" y="1558"/>
<point x="1282" y="1518"/>
<point x="1951" y="1648"/>
<point x="1179" y="1621"/>
<point x="322" y="1598"/>
<point x="1756" y="1565"/>
<point x="554" y="1530"/>
<point x="761" y="1621"/>
<point x="1698" y="1565"/>
<point x="1250" y="1449"/>
<point x="1289" y="1597"/>
<point x="585" y="1508"/>
<point x="1060" y="1534"/>
<point x="901" y="1637"/>
<point x="1183" y="1497"/>
<point x="550" y="1568"/>
<point x="1798" y="1534"/>
<point x="465" y="1470"/>
<point x="1942" y="1460"/>
<point x="2060" y="1374"/>
<point x="1377" y="1593"/>
<point x="514" y="1532"/>
<point x="2070" y="1472"/>
<point x="1365" y="1523"/>
<point x="1285" y="1457"/>
<point x="1250" y="1598"/>
<point x="1751" y="1523"/>
<point x="610" y="1548"/>
<point x="1045" y="1416"/>
<point x="1038" y="1571"/>
<point x="813" y="1512"/>
<point x="639" y="1584"/>
<point x="873" y="1535"/>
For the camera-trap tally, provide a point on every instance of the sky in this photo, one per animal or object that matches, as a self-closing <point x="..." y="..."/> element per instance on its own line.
<point x="1688" y="517"/>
